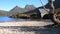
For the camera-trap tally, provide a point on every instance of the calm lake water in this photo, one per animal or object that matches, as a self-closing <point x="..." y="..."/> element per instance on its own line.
<point x="8" y="19"/>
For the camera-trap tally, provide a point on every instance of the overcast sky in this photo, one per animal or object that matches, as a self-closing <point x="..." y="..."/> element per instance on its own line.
<point x="9" y="4"/>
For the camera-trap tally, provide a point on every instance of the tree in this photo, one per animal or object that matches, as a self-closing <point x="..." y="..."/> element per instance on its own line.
<point x="51" y="12"/>
<point x="50" y="2"/>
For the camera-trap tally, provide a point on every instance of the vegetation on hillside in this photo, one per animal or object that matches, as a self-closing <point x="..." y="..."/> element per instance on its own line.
<point x="49" y="16"/>
<point x="3" y="13"/>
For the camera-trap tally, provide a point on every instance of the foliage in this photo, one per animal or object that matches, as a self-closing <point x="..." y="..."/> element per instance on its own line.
<point x="47" y="16"/>
<point x="33" y="15"/>
<point x="57" y="10"/>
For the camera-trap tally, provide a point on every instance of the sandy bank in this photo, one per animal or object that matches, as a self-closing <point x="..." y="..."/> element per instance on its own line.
<point x="26" y="23"/>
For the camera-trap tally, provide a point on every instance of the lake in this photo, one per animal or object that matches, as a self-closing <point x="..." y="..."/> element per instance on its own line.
<point x="8" y="19"/>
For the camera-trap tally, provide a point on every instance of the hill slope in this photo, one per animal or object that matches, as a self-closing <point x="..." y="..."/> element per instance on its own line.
<point x="56" y="4"/>
<point x="4" y="13"/>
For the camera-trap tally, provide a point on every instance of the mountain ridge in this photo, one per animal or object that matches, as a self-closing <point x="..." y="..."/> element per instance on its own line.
<point x="56" y="4"/>
<point x="17" y="9"/>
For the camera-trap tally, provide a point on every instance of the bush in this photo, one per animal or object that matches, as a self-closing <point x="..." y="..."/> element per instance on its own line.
<point x="48" y="16"/>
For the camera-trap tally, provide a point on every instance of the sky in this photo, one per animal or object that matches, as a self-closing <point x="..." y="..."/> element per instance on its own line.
<point x="9" y="4"/>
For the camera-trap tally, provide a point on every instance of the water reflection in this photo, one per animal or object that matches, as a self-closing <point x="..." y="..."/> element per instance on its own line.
<point x="7" y="19"/>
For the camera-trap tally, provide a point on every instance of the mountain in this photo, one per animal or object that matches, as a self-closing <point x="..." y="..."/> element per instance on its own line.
<point x="17" y="9"/>
<point x="56" y="4"/>
<point x="4" y="13"/>
<point x="30" y="7"/>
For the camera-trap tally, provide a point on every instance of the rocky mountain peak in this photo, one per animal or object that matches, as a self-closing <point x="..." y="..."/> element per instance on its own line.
<point x="30" y="7"/>
<point x="17" y="9"/>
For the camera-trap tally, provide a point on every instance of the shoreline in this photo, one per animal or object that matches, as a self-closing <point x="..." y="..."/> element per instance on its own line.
<point x="26" y="23"/>
<point x="33" y="27"/>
